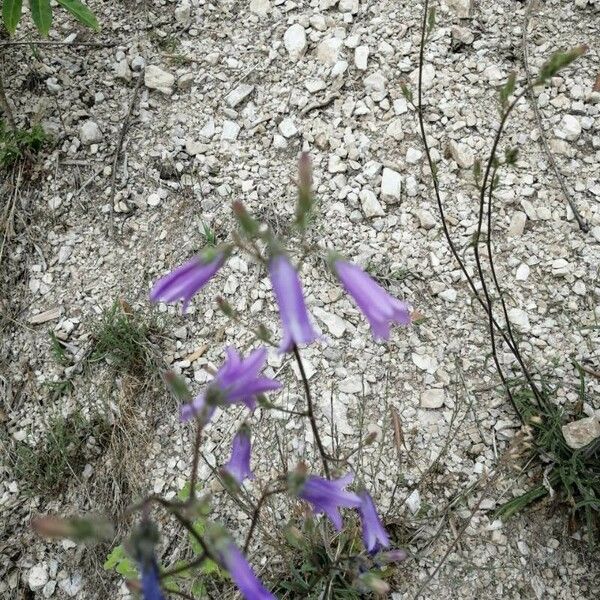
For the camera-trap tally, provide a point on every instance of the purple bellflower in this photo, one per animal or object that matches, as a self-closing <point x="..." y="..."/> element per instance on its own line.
<point x="186" y="280"/>
<point x="237" y="381"/>
<point x="238" y="465"/>
<point x="327" y="496"/>
<point x="150" y="580"/>
<point x="374" y="534"/>
<point x="297" y="328"/>
<point x="242" y="574"/>
<point x="380" y="308"/>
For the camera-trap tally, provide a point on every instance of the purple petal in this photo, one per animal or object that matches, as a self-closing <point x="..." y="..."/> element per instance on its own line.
<point x="150" y="581"/>
<point x="238" y="465"/>
<point x="379" y="307"/>
<point x="186" y="281"/>
<point x="197" y="407"/>
<point x="297" y="328"/>
<point x="326" y="496"/>
<point x="374" y="534"/>
<point x="243" y="576"/>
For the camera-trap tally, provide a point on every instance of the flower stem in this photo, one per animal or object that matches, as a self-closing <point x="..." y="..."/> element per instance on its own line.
<point x="185" y="567"/>
<point x="195" y="461"/>
<point x="256" y="514"/>
<point x="311" y="412"/>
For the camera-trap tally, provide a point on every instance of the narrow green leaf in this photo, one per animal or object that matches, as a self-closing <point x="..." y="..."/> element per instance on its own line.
<point x="431" y="20"/>
<point x="199" y="590"/>
<point x="116" y="555"/>
<point x="11" y="14"/>
<point x="41" y="13"/>
<point x="477" y="171"/>
<point x="210" y="567"/>
<point x="507" y="89"/>
<point x="81" y="12"/>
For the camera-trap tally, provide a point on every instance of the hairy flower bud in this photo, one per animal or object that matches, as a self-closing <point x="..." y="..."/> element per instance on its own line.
<point x="78" y="529"/>
<point x="305" y="195"/>
<point x="247" y="223"/>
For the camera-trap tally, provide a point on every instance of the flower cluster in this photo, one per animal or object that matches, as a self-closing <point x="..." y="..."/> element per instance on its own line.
<point x="379" y="307"/>
<point x="240" y="381"/>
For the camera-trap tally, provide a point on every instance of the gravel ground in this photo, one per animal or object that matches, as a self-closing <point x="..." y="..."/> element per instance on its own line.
<point x="233" y="91"/>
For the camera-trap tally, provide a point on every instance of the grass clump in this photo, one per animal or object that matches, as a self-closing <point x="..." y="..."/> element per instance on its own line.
<point x="573" y="474"/>
<point x="17" y="145"/>
<point x="313" y="571"/>
<point x="61" y="454"/>
<point x="122" y="339"/>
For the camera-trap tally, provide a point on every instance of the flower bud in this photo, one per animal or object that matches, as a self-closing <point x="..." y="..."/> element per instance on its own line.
<point x="78" y="529"/>
<point x="305" y="195"/>
<point x="374" y="583"/>
<point x="247" y="223"/>
<point x="558" y="61"/>
<point x="392" y="556"/>
<point x="225" y="307"/>
<point x="177" y="386"/>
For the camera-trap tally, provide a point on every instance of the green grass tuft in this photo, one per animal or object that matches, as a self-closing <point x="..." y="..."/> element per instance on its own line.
<point x="121" y="338"/>
<point x="17" y="145"/>
<point x="573" y="474"/>
<point x="60" y="455"/>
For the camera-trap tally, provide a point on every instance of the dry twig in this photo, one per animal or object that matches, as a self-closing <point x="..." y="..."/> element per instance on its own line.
<point x="119" y="147"/>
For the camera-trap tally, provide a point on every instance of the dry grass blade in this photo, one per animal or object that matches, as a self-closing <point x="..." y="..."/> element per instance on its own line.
<point x="398" y="433"/>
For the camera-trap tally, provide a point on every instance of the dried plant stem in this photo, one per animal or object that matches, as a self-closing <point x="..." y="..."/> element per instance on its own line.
<point x="195" y="461"/>
<point x="4" y="103"/>
<point x="66" y="44"/>
<point x="311" y="412"/>
<point x="583" y="225"/>
<point x="256" y="514"/>
<point x="458" y="536"/>
<point x="119" y="147"/>
<point x="484" y="301"/>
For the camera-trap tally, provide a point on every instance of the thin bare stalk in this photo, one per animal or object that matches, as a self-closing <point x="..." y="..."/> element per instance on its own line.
<point x="195" y="461"/>
<point x="311" y="412"/>
<point x="488" y="298"/>
<point x="583" y="225"/>
<point x="119" y="147"/>
<point x="485" y="301"/>
<point x="185" y="567"/>
<point x="65" y="44"/>
<point x="482" y="197"/>
<point x="256" y="514"/>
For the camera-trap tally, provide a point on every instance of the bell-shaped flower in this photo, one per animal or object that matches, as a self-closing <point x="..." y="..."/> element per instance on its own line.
<point x="374" y="534"/>
<point x="328" y="495"/>
<point x="187" y="280"/>
<point x="238" y="465"/>
<point x="297" y="328"/>
<point x="242" y="574"/>
<point x="237" y="381"/>
<point x="379" y="307"/>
